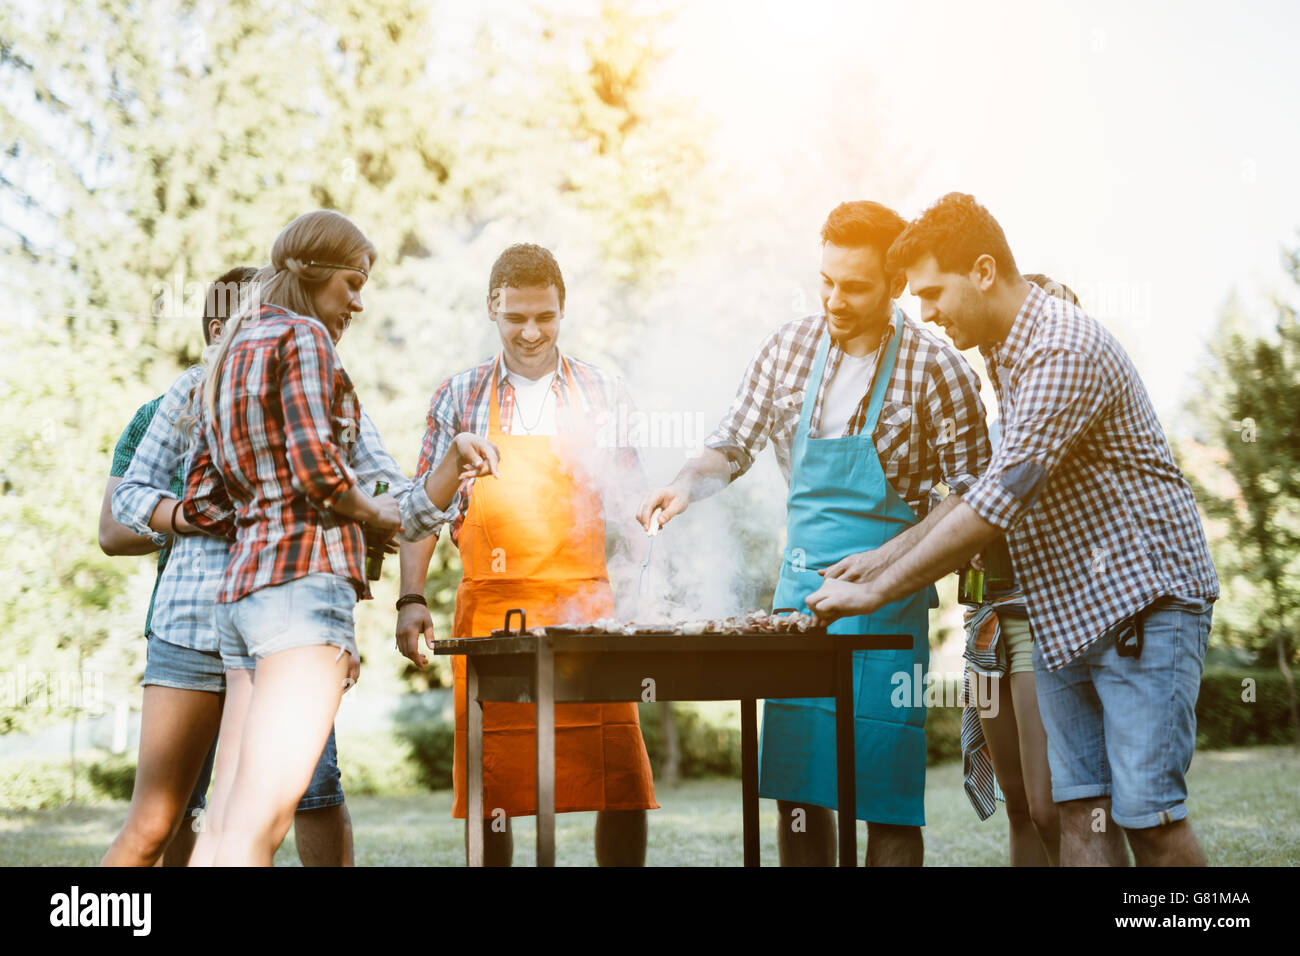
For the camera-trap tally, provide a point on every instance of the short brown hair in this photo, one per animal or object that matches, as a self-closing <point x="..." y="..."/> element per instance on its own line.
<point x="524" y="265"/>
<point x="863" y="223"/>
<point x="956" y="231"/>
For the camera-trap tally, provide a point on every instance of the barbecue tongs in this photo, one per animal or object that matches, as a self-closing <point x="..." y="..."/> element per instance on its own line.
<point x="642" y="585"/>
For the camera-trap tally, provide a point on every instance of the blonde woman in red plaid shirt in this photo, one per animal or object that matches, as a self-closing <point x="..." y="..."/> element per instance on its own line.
<point x="274" y="469"/>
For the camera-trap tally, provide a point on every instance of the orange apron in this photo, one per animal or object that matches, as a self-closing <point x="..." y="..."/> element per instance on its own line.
<point x="534" y="538"/>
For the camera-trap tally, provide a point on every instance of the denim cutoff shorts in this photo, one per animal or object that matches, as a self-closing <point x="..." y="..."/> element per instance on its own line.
<point x="316" y="609"/>
<point x="185" y="668"/>
<point x="1124" y="726"/>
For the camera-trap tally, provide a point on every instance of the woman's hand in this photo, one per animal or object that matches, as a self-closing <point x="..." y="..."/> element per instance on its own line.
<point x="354" y="673"/>
<point x="385" y="518"/>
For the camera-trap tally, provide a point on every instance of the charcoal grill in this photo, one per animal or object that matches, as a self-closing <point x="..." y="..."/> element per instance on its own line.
<point x="565" y="664"/>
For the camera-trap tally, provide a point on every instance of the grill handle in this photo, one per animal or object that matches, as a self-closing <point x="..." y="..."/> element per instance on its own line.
<point x="523" y="625"/>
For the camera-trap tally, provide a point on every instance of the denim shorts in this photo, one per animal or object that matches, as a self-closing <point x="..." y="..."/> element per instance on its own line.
<point x="1124" y="726"/>
<point x="170" y="665"/>
<point x="184" y="668"/>
<point x="312" y="610"/>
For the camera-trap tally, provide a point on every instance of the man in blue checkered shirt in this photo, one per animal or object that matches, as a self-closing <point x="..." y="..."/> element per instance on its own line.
<point x="1104" y="536"/>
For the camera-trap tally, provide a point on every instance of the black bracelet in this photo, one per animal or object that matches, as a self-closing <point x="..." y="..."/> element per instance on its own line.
<point x="412" y="598"/>
<point x="175" y="530"/>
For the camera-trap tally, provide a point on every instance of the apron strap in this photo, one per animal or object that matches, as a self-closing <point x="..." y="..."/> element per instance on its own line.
<point x="814" y="382"/>
<point x="879" y="384"/>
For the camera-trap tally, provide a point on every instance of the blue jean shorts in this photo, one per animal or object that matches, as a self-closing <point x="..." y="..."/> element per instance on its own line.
<point x="184" y="668"/>
<point x="312" y="610"/>
<point x="1125" y="727"/>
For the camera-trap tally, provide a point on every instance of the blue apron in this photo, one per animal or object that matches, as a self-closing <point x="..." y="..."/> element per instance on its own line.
<point x="840" y="504"/>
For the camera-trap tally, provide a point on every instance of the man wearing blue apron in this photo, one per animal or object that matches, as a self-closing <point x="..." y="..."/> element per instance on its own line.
<point x="868" y="413"/>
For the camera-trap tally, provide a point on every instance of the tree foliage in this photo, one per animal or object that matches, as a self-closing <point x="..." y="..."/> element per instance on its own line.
<point x="147" y="146"/>
<point x="1254" y="423"/>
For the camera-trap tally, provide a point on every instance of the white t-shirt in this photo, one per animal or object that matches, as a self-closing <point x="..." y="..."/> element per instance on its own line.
<point x="852" y="381"/>
<point x="534" y="404"/>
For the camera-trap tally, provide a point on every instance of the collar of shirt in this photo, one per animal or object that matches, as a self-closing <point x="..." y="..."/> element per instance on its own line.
<point x="560" y="384"/>
<point x="833" y="359"/>
<point x="1007" y="353"/>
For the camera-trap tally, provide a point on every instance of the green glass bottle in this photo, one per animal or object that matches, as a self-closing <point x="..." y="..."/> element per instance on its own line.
<point x="970" y="586"/>
<point x="375" y="546"/>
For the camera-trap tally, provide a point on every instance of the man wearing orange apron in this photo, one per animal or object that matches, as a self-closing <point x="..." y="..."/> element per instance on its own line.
<point x="511" y="444"/>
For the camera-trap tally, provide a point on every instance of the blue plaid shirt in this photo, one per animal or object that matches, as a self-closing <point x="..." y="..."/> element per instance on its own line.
<point x="197" y="566"/>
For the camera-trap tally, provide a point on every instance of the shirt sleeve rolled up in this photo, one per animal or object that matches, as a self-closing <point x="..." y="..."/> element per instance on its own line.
<point x="1058" y="396"/>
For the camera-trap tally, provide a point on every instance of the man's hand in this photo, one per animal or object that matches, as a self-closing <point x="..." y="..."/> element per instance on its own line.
<point x="838" y="598"/>
<point x="858" y="568"/>
<point x="669" y="502"/>
<point x="475" y="456"/>
<point x="413" y="620"/>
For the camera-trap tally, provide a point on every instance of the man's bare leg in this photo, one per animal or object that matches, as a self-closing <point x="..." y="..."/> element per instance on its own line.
<point x="324" y="836"/>
<point x="1172" y="845"/>
<point x="621" y="837"/>
<point x="889" y="844"/>
<point x="498" y="842"/>
<point x="805" y="834"/>
<point x="1089" y="837"/>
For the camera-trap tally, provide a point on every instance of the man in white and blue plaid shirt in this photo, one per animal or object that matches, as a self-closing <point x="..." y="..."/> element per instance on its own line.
<point x="1104" y="536"/>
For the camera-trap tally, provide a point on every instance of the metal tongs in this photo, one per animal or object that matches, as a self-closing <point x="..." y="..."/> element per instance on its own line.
<point x="642" y="585"/>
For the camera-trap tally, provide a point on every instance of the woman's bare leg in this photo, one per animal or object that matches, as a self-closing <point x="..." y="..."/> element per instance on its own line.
<point x="239" y="691"/>
<point x="1001" y="732"/>
<point x="295" y="697"/>
<point x="1036" y="772"/>
<point x="176" y="730"/>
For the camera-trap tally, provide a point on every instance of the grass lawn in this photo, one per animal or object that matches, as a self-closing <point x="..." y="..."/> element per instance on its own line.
<point x="1245" y="805"/>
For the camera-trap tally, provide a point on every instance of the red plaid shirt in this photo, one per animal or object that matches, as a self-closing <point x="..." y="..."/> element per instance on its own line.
<point x="287" y="419"/>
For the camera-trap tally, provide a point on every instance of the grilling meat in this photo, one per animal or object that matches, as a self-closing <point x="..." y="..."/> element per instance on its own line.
<point x="755" y="622"/>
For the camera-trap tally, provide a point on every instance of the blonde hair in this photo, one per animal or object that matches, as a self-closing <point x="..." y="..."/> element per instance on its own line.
<point x="304" y="255"/>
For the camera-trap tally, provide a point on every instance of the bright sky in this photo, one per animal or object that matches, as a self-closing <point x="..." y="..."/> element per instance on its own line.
<point x="1143" y="153"/>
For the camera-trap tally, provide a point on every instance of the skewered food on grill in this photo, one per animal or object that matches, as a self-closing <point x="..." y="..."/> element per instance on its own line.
<point x="755" y="622"/>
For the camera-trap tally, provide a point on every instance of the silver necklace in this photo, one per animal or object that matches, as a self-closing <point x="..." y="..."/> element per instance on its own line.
<point x="541" y="409"/>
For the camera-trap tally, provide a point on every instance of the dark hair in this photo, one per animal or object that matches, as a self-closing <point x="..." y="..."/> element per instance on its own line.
<point x="224" y="296"/>
<point x="863" y="223"/>
<point x="523" y="265"/>
<point x="956" y="231"/>
<point x="1052" y="287"/>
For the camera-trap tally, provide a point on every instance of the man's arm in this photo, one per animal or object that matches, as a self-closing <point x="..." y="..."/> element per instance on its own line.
<point x="145" y="500"/>
<point x="1060" y="395"/>
<point x="414" y="620"/>
<point x="950" y="542"/>
<point x="115" y="538"/>
<point x="866" y="565"/>
<point x="704" y="475"/>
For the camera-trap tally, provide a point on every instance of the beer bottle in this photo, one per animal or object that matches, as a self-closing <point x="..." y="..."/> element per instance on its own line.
<point x="375" y="544"/>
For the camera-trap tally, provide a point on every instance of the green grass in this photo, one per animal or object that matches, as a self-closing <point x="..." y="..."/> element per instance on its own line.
<point x="1243" y="804"/>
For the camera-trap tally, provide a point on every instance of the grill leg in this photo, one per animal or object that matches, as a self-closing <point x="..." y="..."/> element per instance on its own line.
<point x="844" y="762"/>
<point x="474" y="763"/>
<point x="545" y="683"/>
<point x="749" y="779"/>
